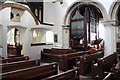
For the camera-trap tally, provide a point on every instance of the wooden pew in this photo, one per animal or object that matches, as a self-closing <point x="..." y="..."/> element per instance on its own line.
<point x="13" y="56"/>
<point x="67" y="50"/>
<point x="104" y="65"/>
<point x="72" y="74"/>
<point x="58" y="51"/>
<point x="85" y="61"/>
<point x="66" y="60"/>
<point x="19" y="65"/>
<point x="8" y="60"/>
<point x="114" y="75"/>
<point x="69" y="60"/>
<point x="32" y="73"/>
<point x="109" y="76"/>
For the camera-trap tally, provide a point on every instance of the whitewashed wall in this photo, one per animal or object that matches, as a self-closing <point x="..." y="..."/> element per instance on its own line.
<point x="0" y="18"/>
<point x="58" y="11"/>
<point x="5" y="21"/>
<point x="0" y="51"/>
<point x="54" y="13"/>
<point x="24" y="26"/>
<point x="27" y="21"/>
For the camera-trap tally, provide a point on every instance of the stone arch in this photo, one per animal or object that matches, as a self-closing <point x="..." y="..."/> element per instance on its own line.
<point x="18" y="6"/>
<point x="80" y="2"/>
<point x="22" y="31"/>
<point x="114" y="9"/>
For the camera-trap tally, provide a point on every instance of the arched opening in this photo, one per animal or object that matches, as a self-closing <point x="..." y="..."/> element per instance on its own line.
<point x="118" y="16"/>
<point x="118" y="29"/>
<point x="114" y="12"/>
<point x="13" y="36"/>
<point x="84" y="27"/>
<point x="14" y="44"/>
<point x="99" y="8"/>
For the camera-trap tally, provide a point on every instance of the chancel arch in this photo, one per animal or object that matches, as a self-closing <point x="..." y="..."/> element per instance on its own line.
<point x="88" y="16"/>
<point x="114" y="13"/>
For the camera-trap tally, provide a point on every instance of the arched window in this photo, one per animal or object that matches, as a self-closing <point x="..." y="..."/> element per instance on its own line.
<point x="11" y="16"/>
<point x="17" y="17"/>
<point x="36" y="36"/>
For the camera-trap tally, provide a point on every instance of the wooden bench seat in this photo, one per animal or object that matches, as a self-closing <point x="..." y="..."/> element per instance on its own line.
<point x="66" y="61"/>
<point x="13" y="56"/>
<point x="104" y="65"/>
<point x="58" y="51"/>
<point x="84" y="62"/>
<point x="72" y="74"/>
<point x="8" y="60"/>
<point x="69" y="60"/>
<point x="19" y="65"/>
<point x="67" y="50"/>
<point x="32" y="73"/>
<point x="114" y="75"/>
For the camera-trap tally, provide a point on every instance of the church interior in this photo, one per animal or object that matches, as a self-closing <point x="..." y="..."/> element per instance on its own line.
<point x="60" y="39"/>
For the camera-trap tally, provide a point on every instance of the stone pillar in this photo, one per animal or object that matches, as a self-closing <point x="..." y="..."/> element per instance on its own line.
<point x="27" y="42"/>
<point x="65" y="33"/>
<point x="5" y="22"/>
<point x="110" y="38"/>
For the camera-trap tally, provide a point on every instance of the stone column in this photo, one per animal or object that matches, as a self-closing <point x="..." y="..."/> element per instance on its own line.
<point x="110" y="38"/>
<point x="65" y="33"/>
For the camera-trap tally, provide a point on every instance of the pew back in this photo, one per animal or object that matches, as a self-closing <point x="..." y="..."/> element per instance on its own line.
<point x="107" y="62"/>
<point x="19" y="65"/>
<point x="68" y="75"/>
<point x="85" y="61"/>
<point x="69" y="60"/>
<point x="32" y="73"/>
<point x="8" y="60"/>
<point x="58" y="51"/>
<point x="104" y="65"/>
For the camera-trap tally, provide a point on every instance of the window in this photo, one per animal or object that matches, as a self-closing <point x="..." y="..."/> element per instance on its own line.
<point x="36" y="36"/>
<point x="38" y="13"/>
<point x="12" y="16"/>
<point x="37" y="9"/>
<point x="17" y="18"/>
